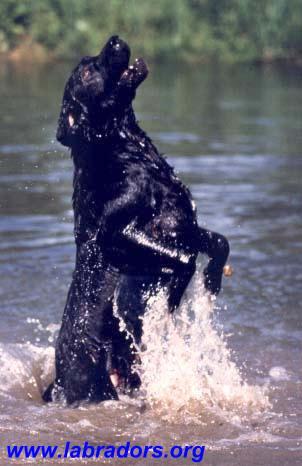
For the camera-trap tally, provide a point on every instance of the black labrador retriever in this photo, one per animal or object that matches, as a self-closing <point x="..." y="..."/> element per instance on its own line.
<point x="135" y="229"/>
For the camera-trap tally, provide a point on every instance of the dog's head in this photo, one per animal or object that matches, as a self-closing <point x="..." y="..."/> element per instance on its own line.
<point x="100" y="89"/>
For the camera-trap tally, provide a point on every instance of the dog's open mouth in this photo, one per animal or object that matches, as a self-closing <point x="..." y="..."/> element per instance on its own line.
<point x="135" y="73"/>
<point x="114" y="57"/>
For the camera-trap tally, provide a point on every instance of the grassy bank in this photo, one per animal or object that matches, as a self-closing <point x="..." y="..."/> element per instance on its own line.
<point x="229" y="30"/>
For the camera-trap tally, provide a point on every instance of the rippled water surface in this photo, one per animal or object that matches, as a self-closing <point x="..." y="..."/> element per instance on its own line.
<point x="226" y="375"/>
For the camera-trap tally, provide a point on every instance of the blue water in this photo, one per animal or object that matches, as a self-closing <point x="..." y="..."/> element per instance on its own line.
<point x="234" y="136"/>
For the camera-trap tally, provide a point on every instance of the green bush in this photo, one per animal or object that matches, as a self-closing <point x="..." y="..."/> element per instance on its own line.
<point x="232" y="30"/>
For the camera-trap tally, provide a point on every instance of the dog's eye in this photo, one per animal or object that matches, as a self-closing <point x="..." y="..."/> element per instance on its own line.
<point x="86" y="73"/>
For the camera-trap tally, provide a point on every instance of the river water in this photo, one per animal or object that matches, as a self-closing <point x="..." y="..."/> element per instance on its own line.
<point x="224" y="374"/>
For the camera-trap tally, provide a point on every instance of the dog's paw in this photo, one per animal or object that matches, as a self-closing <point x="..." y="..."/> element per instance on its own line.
<point x="212" y="280"/>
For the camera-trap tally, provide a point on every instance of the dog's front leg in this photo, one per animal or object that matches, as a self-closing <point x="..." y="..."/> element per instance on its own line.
<point x="175" y="265"/>
<point x="216" y="246"/>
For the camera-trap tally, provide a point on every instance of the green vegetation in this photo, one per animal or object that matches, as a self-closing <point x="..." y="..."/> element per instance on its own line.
<point x="230" y="30"/>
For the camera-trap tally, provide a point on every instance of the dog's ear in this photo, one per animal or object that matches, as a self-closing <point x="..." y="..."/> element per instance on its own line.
<point x="72" y="120"/>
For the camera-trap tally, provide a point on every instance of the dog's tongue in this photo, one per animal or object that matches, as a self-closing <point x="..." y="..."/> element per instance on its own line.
<point x="115" y="56"/>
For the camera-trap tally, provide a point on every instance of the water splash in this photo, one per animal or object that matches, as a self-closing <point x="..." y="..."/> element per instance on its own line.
<point x="26" y="370"/>
<point x="186" y="366"/>
<point x="186" y="363"/>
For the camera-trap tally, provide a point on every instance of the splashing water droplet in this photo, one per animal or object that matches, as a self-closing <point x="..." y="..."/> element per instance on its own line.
<point x="186" y="365"/>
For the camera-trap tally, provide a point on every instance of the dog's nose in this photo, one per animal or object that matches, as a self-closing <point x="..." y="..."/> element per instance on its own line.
<point x="114" y="41"/>
<point x="119" y="49"/>
<point x="117" y="46"/>
<point x="115" y="56"/>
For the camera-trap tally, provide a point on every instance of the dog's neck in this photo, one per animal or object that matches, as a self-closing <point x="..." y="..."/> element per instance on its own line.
<point x="121" y="132"/>
<point x="126" y="128"/>
<point x="124" y="121"/>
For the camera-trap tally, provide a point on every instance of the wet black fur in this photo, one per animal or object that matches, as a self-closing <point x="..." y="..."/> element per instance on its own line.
<point x="135" y="228"/>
